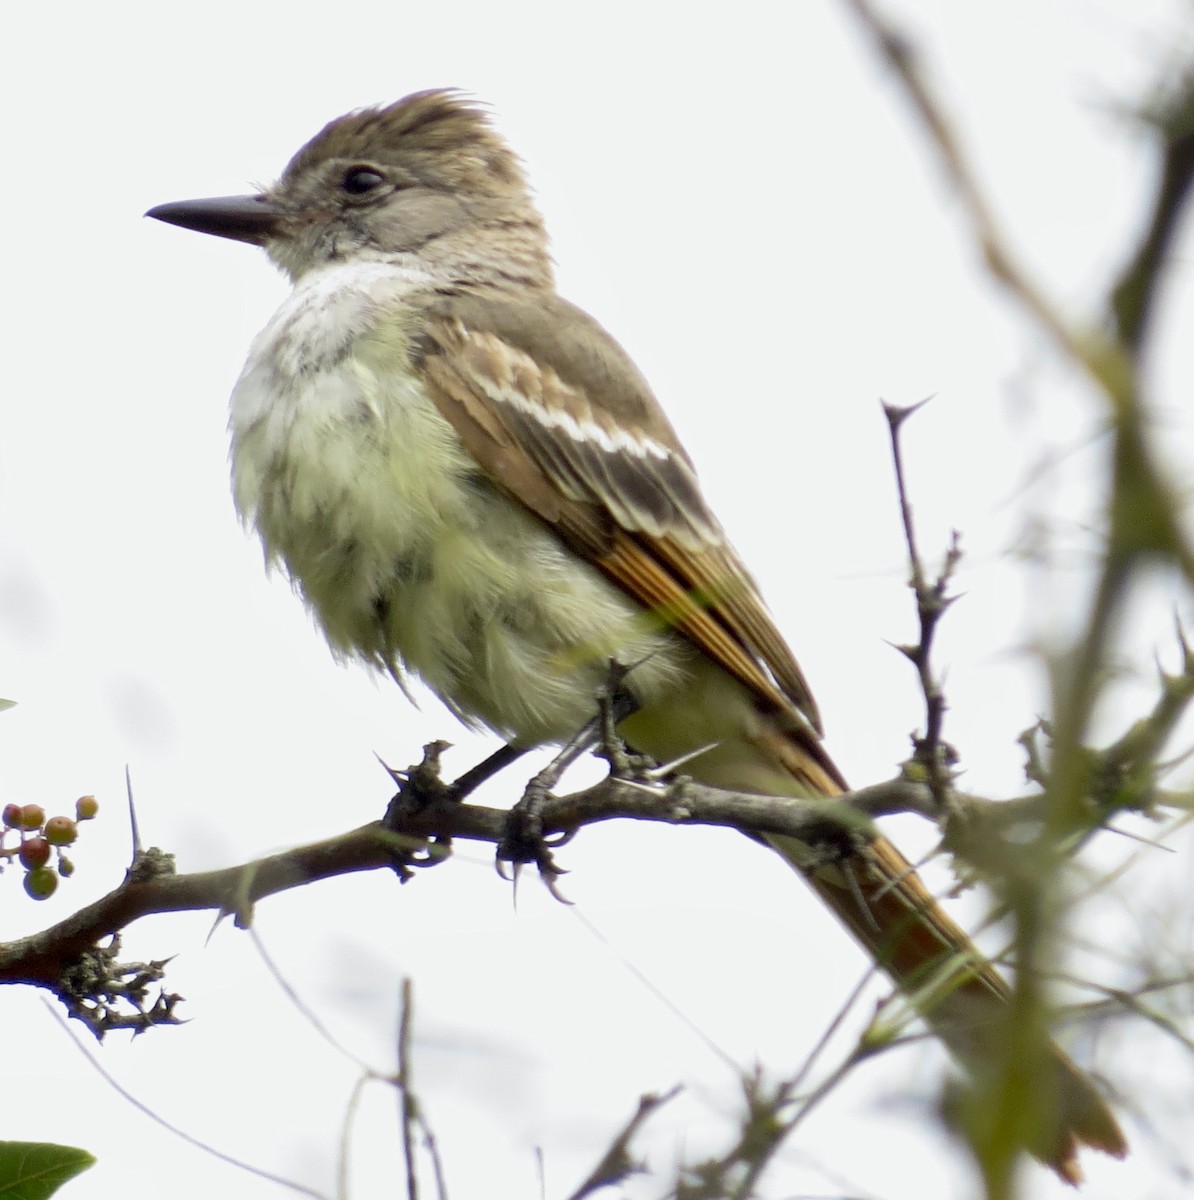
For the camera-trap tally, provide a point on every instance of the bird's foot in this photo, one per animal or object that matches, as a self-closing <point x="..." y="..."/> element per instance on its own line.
<point x="524" y="841"/>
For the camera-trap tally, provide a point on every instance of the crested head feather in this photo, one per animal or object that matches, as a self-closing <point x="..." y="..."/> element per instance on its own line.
<point x="439" y="135"/>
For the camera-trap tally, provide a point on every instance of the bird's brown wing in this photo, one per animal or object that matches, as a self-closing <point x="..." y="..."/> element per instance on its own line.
<point x="558" y="416"/>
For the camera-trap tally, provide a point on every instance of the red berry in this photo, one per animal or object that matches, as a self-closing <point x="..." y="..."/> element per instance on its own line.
<point x="41" y="883"/>
<point x="61" y="831"/>
<point x="32" y="815"/>
<point x="12" y="816"/>
<point x="86" y="807"/>
<point x="34" y="852"/>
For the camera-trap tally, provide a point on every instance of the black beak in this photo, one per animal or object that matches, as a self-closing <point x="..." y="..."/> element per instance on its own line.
<point x="253" y="219"/>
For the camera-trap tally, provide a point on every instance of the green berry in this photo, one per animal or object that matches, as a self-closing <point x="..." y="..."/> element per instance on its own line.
<point x="61" y="831"/>
<point x="66" y="868"/>
<point x="32" y="816"/>
<point x="34" y="852"/>
<point x="86" y="807"/>
<point x="41" y="883"/>
<point x="12" y="816"/>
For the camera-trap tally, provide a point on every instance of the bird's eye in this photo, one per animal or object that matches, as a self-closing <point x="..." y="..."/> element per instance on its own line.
<point x="359" y="180"/>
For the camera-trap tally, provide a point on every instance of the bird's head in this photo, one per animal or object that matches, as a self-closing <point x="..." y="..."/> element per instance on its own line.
<point x="425" y="182"/>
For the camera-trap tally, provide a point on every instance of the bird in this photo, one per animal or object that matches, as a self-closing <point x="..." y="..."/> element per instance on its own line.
<point x="469" y="481"/>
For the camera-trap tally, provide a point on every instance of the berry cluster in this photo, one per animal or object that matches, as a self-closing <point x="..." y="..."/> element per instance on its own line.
<point x="40" y="838"/>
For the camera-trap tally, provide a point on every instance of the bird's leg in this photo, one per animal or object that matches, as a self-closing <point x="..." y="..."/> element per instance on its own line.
<point x="487" y="768"/>
<point x="523" y="841"/>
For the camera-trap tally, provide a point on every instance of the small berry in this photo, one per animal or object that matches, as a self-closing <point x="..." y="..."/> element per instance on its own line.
<point x="61" y="831"/>
<point x="66" y="868"/>
<point x="12" y="816"/>
<point x="34" y="852"/>
<point x="32" y="816"/>
<point x="41" y="883"/>
<point x="86" y="807"/>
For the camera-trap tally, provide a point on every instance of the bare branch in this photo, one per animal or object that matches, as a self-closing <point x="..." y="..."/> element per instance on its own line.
<point x="146" y="1111"/>
<point x="617" y="1163"/>
<point x="930" y="753"/>
<point x="902" y="56"/>
<point x="1170" y="117"/>
<point x="41" y="959"/>
<point x="407" y="1105"/>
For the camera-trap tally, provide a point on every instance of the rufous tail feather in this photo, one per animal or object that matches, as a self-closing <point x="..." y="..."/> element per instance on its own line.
<point x="877" y="894"/>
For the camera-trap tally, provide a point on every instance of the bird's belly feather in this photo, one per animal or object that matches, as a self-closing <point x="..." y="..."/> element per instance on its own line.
<point x="410" y="558"/>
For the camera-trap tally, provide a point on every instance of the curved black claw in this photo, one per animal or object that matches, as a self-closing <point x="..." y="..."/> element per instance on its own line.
<point x="523" y="840"/>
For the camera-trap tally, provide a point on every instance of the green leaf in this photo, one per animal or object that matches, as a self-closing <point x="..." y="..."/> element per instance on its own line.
<point x="7" y="704"/>
<point x="35" y="1170"/>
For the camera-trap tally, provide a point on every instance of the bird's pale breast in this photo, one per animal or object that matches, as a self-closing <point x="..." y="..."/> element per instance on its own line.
<point x="406" y="553"/>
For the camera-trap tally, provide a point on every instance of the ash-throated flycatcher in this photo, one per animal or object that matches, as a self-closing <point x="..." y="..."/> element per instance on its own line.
<point x="468" y="479"/>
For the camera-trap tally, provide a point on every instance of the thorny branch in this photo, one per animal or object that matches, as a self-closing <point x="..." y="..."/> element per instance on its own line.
<point x="69" y="960"/>
<point x="56" y="957"/>
<point x="931" y="755"/>
<point x="1142" y="506"/>
<point x="617" y="1163"/>
<point x="1142" y="513"/>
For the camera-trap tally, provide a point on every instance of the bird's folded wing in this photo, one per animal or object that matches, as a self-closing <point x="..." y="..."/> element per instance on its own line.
<point x="556" y="414"/>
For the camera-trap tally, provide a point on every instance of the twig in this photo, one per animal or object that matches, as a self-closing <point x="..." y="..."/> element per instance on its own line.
<point x="344" y="1158"/>
<point x="646" y="982"/>
<point x="304" y="1009"/>
<point x="796" y="1082"/>
<point x="1170" y="117"/>
<point x="930" y="752"/>
<point x="900" y="54"/>
<point x="617" y="1163"/>
<point x="734" y="1174"/>
<point x="190" y="1139"/>
<point x="407" y="1106"/>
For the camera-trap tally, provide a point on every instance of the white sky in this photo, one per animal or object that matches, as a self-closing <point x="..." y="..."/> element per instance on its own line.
<point x="737" y="194"/>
